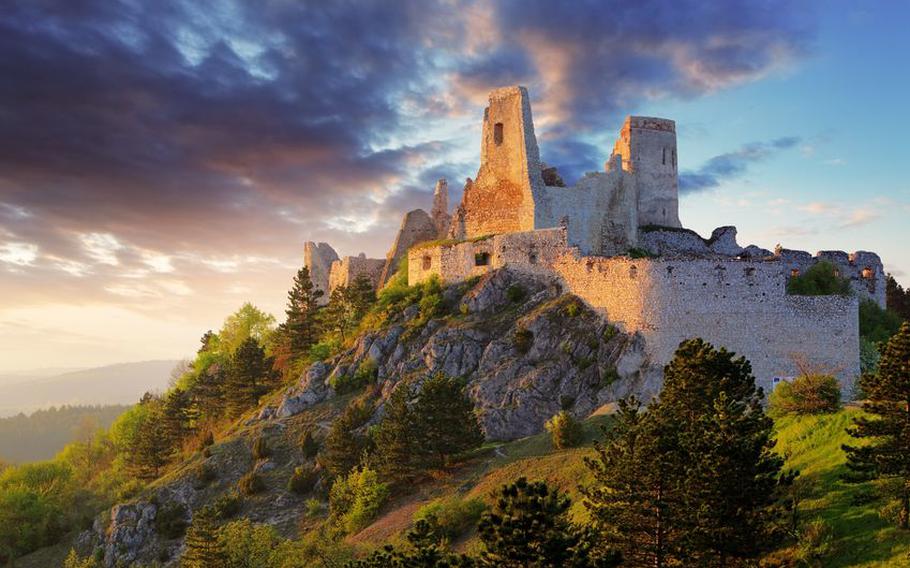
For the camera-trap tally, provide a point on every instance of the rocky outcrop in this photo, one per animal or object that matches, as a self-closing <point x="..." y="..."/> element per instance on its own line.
<point x="526" y="350"/>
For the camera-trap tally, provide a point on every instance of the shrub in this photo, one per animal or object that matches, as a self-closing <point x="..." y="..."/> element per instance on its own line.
<point x="309" y="446"/>
<point x="207" y="440"/>
<point x="355" y="499"/>
<point x="523" y="339"/>
<point x="314" y="508"/>
<point x="807" y="394"/>
<point x="821" y="279"/>
<point x="572" y="309"/>
<point x="464" y="309"/>
<point x="452" y="516"/>
<point x="204" y="475"/>
<point x="610" y="332"/>
<point x="247" y="544"/>
<point x="516" y="293"/>
<point x="226" y="505"/>
<point x="365" y="374"/>
<point x="250" y="484"/>
<point x="608" y="376"/>
<point x="637" y="252"/>
<point x="261" y="448"/>
<point x="816" y="543"/>
<point x="171" y="520"/>
<point x="302" y="480"/>
<point x="565" y="430"/>
<point x="875" y="324"/>
<point x="324" y="349"/>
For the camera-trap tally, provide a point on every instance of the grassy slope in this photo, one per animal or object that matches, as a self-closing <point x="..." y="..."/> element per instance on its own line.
<point x="812" y="444"/>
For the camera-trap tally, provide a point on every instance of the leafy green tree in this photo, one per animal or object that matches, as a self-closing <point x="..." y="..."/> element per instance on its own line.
<point x="886" y="424"/>
<point x="251" y="546"/>
<point x="355" y="499"/>
<point x="821" y="279"/>
<point x="529" y="526"/>
<point x="248" y="377"/>
<point x="875" y="324"/>
<point x="564" y="429"/>
<point x="806" y="394"/>
<point x="249" y="322"/>
<point x="897" y="298"/>
<point x="345" y="445"/>
<point x="204" y="547"/>
<point x="35" y="507"/>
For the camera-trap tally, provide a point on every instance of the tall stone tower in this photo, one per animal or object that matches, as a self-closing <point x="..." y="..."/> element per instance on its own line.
<point x="440" y="211"/>
<point x="648" y="149"/>
<point x="502" y="197"/>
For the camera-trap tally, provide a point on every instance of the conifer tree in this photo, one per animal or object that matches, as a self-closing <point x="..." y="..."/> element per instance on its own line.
<point x="178" y="417"/>
<point x="397" y="451"/>
<point x="888" y="424"/>
<point x="344" y="446"/>
<point x="426" y="551"/>
<point x="204" y="549"/>
<point x="529" y="526"/>
<point x="151" y="446"/>
<point x="339" y="314"/>
<point x="360" y="295"/>
<point x="248" y="377"/>
<point x="300" y="328"/>
<point x="208" y="391"/>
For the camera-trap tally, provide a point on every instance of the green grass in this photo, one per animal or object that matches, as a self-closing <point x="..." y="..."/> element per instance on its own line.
<point x="812" y="444"/>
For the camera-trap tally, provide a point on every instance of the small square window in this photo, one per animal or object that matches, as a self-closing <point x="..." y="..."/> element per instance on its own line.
<point x="482" y="259"/>
<point x="427" y="262"/>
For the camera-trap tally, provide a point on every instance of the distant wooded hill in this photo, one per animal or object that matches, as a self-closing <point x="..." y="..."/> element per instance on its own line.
<point x="42" y="434"/>
<point x="113" y="384"/>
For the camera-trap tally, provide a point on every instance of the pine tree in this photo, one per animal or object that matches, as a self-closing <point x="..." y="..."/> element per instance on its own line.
<point x="344" y="446"/>
<point x="633" y="500"/>
<point x="446" y="420"/>
<point x="888" y="403"/>
<point x="397" y="446"/>
<point x="151" y="448"/>
<point x="360" y="295"/>
<point x="529" y="526"/>
<point x="208" y="392"/>
<point x="203" y="546"/>
<point x="426" y="551"/>
<point x="248" y="377"/>
<point x="300" y="328"/>
<point x="178" y="416"/>
<point x="339" y="314"/>
<point x="897" y="299"/>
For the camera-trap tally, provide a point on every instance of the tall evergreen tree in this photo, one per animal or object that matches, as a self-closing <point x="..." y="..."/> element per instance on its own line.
<point x="529" y="526"/>
<point x="151" y="448"/>
<point x="203" y="547"/>
<point x="301" y="327"/>
<point x="897" y="299"/>
<point x="426" y="551"/>
<point x="208" y="391"/>
<point x="344" y="445"/>
<point x="634" y="500"/>
<point x="714" y="499"/>
<point x="360" y="295"/>
<point x="248" y="376"/>
<point x="178" y="416"/>
<point x="425" y="429"/>
<point x="887" y="425"/>
<point x="339" y="314"/>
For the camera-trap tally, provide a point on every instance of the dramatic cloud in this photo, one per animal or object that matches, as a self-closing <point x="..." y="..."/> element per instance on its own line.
<point x="732" y="164"/>
<point x="153" y="151"/>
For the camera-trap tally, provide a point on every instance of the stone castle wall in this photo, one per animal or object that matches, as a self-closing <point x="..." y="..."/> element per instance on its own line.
<point x="318" y="259"/>
<point x="344" y="271"/>
<point x="737" y="304"/>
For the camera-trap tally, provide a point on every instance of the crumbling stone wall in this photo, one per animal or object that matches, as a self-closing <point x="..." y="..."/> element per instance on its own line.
<point x="738" y="304"/>
<point x="440" y="212"/>
<point x="318" y="259"/>
<point x="416" y="227"/>
<point x="344" y="271"/>
<point x="864" y="269"/>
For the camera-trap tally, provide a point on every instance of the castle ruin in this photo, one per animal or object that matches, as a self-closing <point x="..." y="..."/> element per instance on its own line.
<point x="615" y="240"/>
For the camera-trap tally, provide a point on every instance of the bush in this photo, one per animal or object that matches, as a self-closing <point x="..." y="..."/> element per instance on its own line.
<point x="565" y="430"/>
<point x="171" y="520"/>
<point x="523" y="339"/>
<point x="355" y="499"/>
<point x="302" y="480"/>
<point x="314" y="508"/>
<point x="365" y="374"/>
<point x="261" y="448"/>
<point x="204" y="475"/>
<point x="875" y="324"/>
<point x="250" y="484"/>
<point x="821" y="279"/>
<point x="207" y="440"/>
<point x="451" y="516"/>
<point x="516" y="293"/>
<point x="610" y="332"/>
<point x="309" y="446"/>
<point x="807" y="394"/>
<point x="572" y="309"/>
<point x="608" y="376"/>
<point x="637" y="252"/>
<point x="324" y="349"/>
<point x="226" y="505"/>
<point x="816" y="543"/>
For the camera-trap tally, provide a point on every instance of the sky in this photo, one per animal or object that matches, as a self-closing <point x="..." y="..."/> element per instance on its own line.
<point x="163" y="162"/>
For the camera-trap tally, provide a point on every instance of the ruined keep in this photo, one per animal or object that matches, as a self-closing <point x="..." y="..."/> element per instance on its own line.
<point x="615" y="240"/>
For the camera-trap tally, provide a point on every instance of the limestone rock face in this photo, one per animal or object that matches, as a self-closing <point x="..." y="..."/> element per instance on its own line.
<point x="311" y="389"/>
<point x="526" y="350"/>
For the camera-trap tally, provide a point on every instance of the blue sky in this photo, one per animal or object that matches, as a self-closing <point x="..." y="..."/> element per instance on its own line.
<point x="162" y="163"/>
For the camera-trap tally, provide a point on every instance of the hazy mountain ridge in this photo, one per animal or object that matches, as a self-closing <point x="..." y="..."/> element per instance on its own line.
<point x="122" y="383"/>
